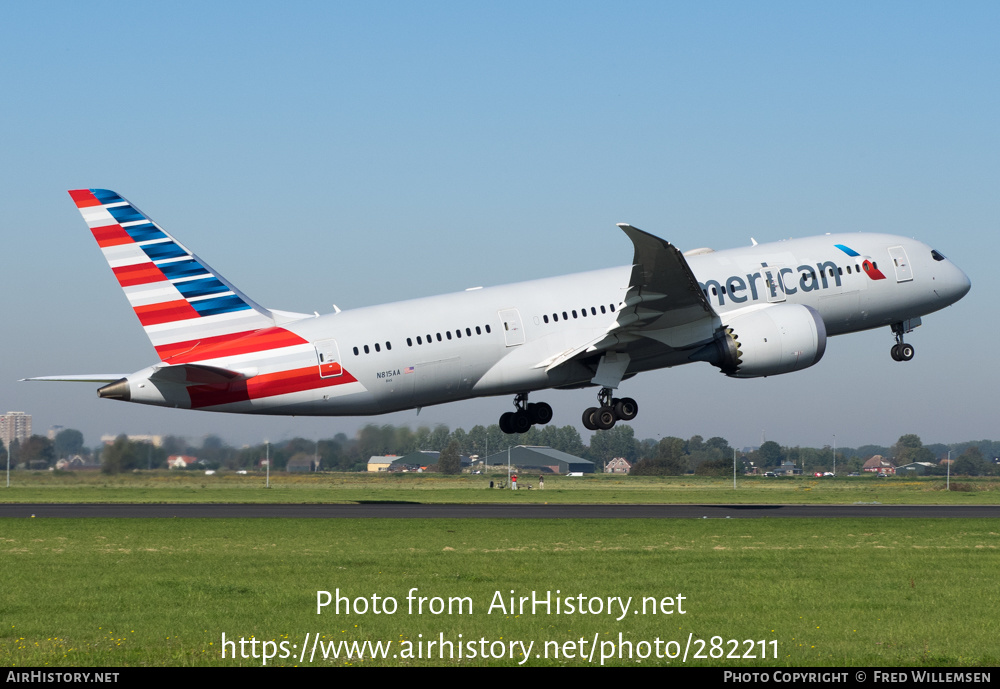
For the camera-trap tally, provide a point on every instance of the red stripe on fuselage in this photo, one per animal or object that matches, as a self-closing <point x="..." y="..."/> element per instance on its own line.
<point x="183" y="350"/>
<point x="111" y="235"/>
<point x="220" y="346"/>
<point x="165" y="312"/>
<point x="83" y="198"/>
<point x="138" y="274"/>
<point x="266" y="385"/>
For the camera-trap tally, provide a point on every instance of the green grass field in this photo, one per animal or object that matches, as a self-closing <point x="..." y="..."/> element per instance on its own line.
<point x="164" y="486"/>
<point x="762" y="592"/>
<point x="817" y="592"/>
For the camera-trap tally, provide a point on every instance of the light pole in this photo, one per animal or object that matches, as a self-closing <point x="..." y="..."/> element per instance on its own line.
<point x="947" y="482"/>
<point x="734" y="468"/>
<point x="834" y="454"/>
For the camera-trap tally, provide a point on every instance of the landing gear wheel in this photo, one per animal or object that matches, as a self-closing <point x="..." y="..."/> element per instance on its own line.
<point x="590" y="418"/>
<point x="520" y="423"/>
<point x="506" y="422"/>
<point x="902" y="351"/>
<point x="540" y="413"/>
<point x="626" y="409"/>
<point x="605" y="418"/>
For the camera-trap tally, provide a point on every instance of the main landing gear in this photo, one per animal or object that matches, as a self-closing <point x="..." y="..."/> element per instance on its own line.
<point x="525" y="415"/>
<point x="900" y="351"/>
<point x="611" y="411"/>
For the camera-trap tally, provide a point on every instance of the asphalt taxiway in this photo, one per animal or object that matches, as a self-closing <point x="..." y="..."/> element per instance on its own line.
<point x="403" y="510"/>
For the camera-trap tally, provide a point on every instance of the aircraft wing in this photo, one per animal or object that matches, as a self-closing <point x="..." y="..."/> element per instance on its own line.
<point x="664" y="302"/>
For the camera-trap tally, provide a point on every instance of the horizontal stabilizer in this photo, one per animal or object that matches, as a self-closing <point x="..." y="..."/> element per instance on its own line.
<point x="197" y="374"/>
<point x="89" y="378"/>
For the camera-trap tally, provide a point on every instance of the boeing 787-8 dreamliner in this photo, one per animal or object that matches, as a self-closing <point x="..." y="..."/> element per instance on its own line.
<point x="756" y="311"/>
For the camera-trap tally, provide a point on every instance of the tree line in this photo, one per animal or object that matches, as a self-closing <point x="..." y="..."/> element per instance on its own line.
<point x="663" y="456"/>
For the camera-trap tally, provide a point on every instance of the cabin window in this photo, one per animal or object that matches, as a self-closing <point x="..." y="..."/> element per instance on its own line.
<point x="574" y="313"/>
<point x="439" y="337"/>
<point x="355" y="351"/>
<point x="377" y="348"/>
<point x="545" y="318"/>
<point x="478" y="331"/>
<point x="419" y="341"/>
<point x="409" y="342"/>
<point x="487" y="328"/>
<point x="388" y="346"/>
<point x="468" y="331"/>
<point x="367" y="351"/>
<point x="593" y="311"/>
<point x="603" y="309"/>
<point x="612" y="308"/>
<point x="447" y="334"/>
<point x="458" y="333"/>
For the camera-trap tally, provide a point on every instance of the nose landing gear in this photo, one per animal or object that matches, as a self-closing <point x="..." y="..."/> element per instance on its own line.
<point x="901" y="351"/>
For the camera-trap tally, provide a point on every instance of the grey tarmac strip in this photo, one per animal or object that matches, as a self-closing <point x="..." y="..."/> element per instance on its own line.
<point x="506" y="511"/>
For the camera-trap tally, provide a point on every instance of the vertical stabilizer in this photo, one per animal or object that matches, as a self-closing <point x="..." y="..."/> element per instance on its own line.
<point x="181" y="302"/>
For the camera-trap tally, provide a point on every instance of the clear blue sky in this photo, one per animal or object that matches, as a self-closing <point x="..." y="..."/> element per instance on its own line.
<point x="356" y="153"/>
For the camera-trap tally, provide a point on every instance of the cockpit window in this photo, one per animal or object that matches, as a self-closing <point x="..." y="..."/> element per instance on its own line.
<point x="937" y="255"/>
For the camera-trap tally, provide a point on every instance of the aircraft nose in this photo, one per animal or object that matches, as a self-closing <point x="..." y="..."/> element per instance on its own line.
<point x="954" y="284"/>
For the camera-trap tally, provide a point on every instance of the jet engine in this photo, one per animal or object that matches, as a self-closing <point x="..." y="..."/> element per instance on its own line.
<point x="780" y="338"/>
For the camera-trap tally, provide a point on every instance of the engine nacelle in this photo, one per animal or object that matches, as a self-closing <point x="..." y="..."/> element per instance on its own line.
<point x="765" y="342"/>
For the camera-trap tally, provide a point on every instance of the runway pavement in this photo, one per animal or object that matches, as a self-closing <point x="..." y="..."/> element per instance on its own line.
<point x="530" y="511"/>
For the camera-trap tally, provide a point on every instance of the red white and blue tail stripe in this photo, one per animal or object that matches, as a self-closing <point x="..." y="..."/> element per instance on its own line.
<point x="181" y="302"/>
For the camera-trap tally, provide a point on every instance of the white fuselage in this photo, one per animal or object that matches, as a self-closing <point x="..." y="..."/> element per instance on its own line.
<point x="496" y="340"/>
